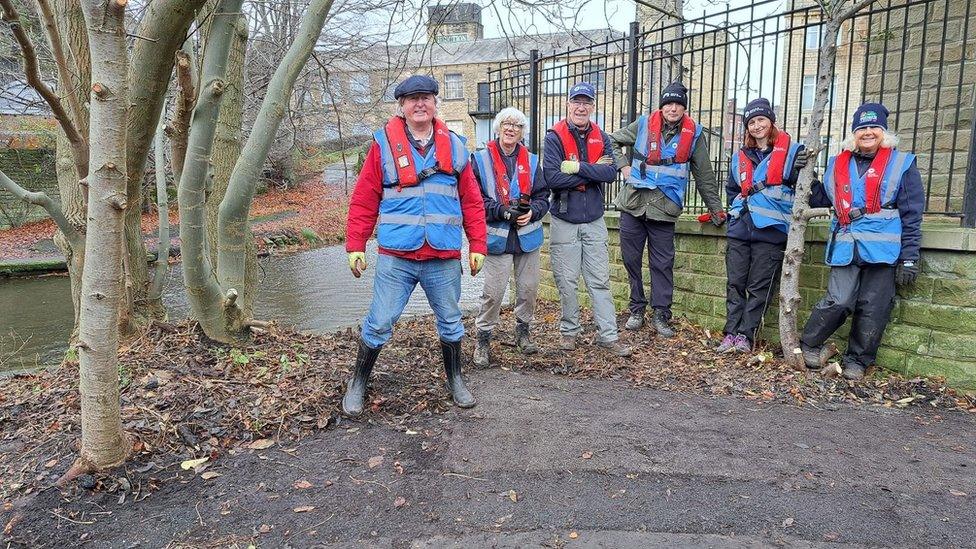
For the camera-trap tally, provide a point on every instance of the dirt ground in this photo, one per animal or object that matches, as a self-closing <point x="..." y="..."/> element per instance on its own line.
<point x="676" y="446"/>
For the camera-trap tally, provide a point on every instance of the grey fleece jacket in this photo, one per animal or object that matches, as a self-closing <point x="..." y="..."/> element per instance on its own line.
<point x="651" y="202"/>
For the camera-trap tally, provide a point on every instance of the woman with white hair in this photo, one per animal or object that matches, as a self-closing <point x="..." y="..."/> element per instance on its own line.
<point x="516" y="198"/>
<point x="875" y="237"/>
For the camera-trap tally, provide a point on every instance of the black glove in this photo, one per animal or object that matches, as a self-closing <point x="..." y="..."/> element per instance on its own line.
<point x="802" y="157"/>
<point x="906" y="273"/>
<point x="718" y="218"/>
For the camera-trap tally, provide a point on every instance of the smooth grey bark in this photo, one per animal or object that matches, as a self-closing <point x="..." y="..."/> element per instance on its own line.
<point x="835" y="13"/>
<point x="234" y="210"/>
<point x="103" y="443"/>
<point x="162" y="31"/>
<point x="207" y="304"/>
<point x="162" y="206"/>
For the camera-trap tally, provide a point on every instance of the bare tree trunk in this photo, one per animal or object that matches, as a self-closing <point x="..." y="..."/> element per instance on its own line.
<point x="103" y="443"/>
<point x="234" y="210"/>
<point x="162" y="207"/>
<point x="186" y="98"/>
<point x="207" y="304"/>
<point x="226" y="151"/>
<point x="789" y="304"/>
<point x="162" y="32"/>
<point x="77" y="82"/>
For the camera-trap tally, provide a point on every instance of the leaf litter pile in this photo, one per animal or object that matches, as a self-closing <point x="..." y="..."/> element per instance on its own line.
<point x="186" y="402"/>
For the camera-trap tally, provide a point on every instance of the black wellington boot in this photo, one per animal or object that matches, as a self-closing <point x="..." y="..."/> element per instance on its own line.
<point x="352" y="403"/>
<point x="452" y="367"/>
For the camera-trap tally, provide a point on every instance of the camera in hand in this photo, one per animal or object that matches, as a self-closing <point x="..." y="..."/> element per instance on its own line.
<point x="518" y="207"/>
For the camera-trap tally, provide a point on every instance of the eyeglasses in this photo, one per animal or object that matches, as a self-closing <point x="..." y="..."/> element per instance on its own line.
<point x="578" y="103"/>
<point x="512" y="126"/>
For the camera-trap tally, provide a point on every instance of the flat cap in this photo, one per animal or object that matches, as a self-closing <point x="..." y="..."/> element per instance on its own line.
<point x="415" y="84"/>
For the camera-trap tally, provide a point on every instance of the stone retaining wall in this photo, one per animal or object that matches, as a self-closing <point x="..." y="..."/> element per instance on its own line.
<point x="33" y="169"/>
<point x="933" y="327"/>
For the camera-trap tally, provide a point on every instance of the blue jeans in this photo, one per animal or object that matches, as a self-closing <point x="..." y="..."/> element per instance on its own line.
<point x="396" y="279"/>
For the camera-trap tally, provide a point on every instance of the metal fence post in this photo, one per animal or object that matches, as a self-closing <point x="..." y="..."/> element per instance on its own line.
<point x="633" y="63"/>
<point x="969" y="193"/>
<point x="534" y="99"/>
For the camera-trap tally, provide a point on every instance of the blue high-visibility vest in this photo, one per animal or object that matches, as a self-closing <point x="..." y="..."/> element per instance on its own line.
<point x="876" y="235"/>
<point x="530" y="236"/>
<point x="430" y="210"/>
<point x="671" y="179"/>
<point x="770" y="206"/>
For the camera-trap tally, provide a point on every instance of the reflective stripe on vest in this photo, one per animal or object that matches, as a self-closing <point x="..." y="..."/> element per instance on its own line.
<point x="530" y="236"/>
<point x="671" y="179"/>
<point x="429" y="211"/>
<point x="875" y="236"/>
<point x="773" y="205"/>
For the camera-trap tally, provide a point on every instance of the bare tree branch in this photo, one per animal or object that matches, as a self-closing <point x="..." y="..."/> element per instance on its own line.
<point x="57" y="48"/>
<point x="50" y="205"/>
<point x="79" y="145"/>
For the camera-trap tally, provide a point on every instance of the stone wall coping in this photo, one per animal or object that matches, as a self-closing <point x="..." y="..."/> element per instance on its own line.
<point x="936" y="235"/>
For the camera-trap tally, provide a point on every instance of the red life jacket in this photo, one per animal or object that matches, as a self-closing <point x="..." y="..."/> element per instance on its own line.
<point x="844" y="195"/>
<point x="396" y="134"/>
<point x="774" y="171"/>
<point x="654" y="144"/>
<point x="502" y="187"/>
<point x="594" y="144"/>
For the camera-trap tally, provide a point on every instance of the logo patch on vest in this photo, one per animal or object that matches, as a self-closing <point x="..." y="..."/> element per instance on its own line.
<point x="403" y="161"/>
<point x="653" y="146"/>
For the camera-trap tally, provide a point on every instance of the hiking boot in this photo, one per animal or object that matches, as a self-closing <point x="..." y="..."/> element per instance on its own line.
<point x="481" y="348"/>
<point x="727" y="344"/>
<point x="660" y="322"/>
<point x="635" y="322"/>
<point x="853" y="371"/>
<point x="567" y="343"/>
<point x="352" y="402"/>
<point x="523" y="342"/>
<point x="452" y="367"/>
<point x="742" y="344"/>
<point x="815" y="357"/>
<point x="615" y="347"/>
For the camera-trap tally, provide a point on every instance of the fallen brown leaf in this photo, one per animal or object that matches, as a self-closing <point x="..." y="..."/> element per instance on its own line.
<point x="303" y="508"/>
<point x="261" y="444"/>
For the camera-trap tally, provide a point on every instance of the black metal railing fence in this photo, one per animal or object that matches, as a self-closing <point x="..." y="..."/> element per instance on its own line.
<point x="918" y="57"/>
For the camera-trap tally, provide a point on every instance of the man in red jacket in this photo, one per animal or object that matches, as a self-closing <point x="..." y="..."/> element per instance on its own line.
<point x="417" y="184"/>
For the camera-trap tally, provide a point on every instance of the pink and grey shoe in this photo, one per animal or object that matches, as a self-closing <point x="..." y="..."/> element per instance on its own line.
<point x="742" y="344"/>
<point x="727" y="344"/>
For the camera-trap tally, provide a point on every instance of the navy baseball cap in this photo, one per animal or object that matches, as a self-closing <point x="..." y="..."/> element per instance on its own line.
<point x="582" y="88"/>
<point x="415" y="84"/>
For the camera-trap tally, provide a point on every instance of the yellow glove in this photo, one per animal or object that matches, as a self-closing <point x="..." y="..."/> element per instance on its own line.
<point x="357" y="263"/>
<point x="569" y="167"/>
<point x="606" y="160"/>
<point x="476" y="261"/>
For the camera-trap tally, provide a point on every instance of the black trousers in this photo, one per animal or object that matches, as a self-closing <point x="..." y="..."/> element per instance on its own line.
<point x="752" y="269"/>
<point x="635" y="233"/>
<point x="867" y="291"/>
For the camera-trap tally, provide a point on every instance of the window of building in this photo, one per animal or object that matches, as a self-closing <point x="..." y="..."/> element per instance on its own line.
<point x="808" y="93"/>
<point x="333" y="92"/>
<point x="554" y="75"/>
<point x="455" y="126"/>
<point x="388" y="88"/>
<point x="813" y="37"/>
<point x="454" y="86"/>
<point x="595" y="73"/>
<point x="359" y="87"/>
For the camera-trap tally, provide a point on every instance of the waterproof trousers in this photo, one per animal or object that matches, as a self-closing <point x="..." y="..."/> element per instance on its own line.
<point x="752" y="269"/>
<point x="581" y="248"/>
<point x="497" y="269"/>
<point x="866" y="291"/>
<point x="658" y="237"/>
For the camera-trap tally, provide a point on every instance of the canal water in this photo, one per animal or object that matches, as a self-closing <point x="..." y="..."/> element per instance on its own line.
<point x="311" y="291"/>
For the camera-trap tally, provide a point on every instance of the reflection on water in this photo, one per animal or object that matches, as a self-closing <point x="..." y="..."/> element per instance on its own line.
<point x="312" y="291"/>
